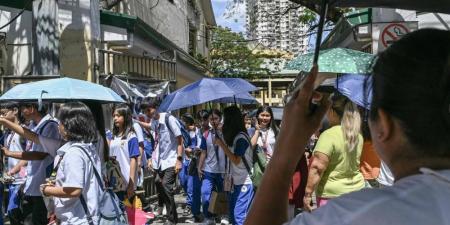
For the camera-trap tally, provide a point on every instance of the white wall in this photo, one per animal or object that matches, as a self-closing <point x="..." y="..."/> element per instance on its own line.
<point x="18" y="41"/>
<point x="434" y="20"/>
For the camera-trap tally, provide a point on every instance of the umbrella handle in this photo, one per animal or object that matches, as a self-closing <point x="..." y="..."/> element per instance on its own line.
<point x="323" y="14"/>
<point x="40" y="99"/>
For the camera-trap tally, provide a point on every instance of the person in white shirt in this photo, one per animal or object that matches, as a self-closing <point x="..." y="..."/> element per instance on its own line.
<point x="15" y="170"/>
<point x="211" y="165"/>
<point x="168" y="156"/>
<point x="266" y="131"/>
<point x="124" y="148"/>
<point x="238" y="149"/>
<point x="39" y="163"/>
<point x="74" y="178"/>
<point x="410" y="127"/>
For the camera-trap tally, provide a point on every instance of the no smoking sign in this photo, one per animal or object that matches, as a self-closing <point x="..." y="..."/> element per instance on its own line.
<point x="392" y="33"/>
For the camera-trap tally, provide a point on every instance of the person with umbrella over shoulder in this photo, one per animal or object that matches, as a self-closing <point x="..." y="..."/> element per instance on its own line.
<point x="409" y="123"/>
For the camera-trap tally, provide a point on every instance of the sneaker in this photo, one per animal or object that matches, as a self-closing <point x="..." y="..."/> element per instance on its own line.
<point x="209" y="221"/>
<point x="224" y="220"/>
<point x="187" y="211"/>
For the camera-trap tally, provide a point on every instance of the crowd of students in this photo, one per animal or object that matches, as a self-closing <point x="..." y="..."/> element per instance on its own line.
<point x="59" y="161"/>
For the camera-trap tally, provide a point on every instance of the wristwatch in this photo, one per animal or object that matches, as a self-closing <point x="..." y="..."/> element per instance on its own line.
<point x="180" y="158"/>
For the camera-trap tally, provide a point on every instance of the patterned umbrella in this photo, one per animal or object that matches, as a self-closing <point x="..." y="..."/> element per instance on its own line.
<point x="335" y="60"/>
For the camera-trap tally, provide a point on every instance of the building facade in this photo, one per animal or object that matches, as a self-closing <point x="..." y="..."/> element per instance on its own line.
<point x="276" y="25"/>
<point x="138" y="40"/>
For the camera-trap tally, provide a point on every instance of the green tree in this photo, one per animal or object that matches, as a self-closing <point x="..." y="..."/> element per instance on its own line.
<point x="231" y="56"/>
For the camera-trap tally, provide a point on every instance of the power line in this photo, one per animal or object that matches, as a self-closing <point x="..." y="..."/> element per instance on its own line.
<point x="15" y="17"/>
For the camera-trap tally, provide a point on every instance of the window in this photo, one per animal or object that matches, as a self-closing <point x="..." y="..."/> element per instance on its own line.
<point x="192" y="44"/>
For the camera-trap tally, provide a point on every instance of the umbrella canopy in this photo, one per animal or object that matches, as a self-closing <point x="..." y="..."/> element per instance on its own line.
<point x="61" y="89"/>
<point x="238" y="84"/>
<point x="352" y="86"/>
<point x="335" y="60"/>
<point x="242" y="99"/>
<point x="442" y="6"/>
<point x="204" y="90"/>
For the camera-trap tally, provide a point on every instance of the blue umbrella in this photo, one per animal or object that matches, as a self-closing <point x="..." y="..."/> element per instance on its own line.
<point x="352" y="86"/>
<point x="61" y="89"/>
<point x="242" y="99"/>
<point x="204" y="90"/>
<point x="238" y="84"/>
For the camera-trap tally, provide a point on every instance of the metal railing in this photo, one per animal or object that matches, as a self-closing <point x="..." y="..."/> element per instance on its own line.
<point x="112" y="62"/>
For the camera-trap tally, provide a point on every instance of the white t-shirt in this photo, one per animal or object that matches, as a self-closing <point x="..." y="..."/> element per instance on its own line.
<point x="12" y="142"/>
<point x="385" y="177"/>
<point x="37" y="169"/>
<point x="167" y="141"/>
<point x="76" y="171"/>
<point x="239" y="172"/>
<point x="140" y="136"/>
<point x="123" y="149"/>
<point x="417" y="199"/>
<point x="268" y="137"/>
<point x="211" y="165"/>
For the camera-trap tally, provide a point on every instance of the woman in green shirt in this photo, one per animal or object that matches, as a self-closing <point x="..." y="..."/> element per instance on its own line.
<point x="335" y="166"/>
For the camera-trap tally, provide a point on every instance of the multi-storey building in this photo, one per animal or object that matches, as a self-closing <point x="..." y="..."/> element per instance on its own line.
<point x="275" y="24"/>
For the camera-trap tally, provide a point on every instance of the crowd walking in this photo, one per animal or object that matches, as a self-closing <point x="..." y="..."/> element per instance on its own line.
<point x="336" y="163"/>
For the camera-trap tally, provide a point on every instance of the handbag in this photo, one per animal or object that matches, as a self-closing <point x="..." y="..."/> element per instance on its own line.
<point x="218" y="203"/>
<point x="192" y="168"/>
<point x="109" y="210"/>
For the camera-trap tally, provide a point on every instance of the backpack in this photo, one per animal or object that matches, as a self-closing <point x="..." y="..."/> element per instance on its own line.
<point x="109" y="207"/>
<point x="187" y="142"/>
<point x="256" y="170"/>
<point x="116" y="181"/>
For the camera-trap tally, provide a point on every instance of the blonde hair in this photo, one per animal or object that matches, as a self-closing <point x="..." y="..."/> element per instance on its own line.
<point x="350" y="121"/>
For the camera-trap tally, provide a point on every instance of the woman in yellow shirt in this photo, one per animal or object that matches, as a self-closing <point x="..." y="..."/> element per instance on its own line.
<point x="335" y="166"/>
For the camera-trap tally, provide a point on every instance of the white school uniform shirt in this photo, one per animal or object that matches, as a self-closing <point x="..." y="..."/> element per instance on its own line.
<point x="211" y="165"/>
<point x="385" y="177"/>
<point x="166" y="138"/>
<point x="120" y="149"/>
<point x="75" y="170"/>
<point x="12" y="142"/>
<point x="37" y="169"/>
<point x="268" y="136"/>
<point x="416" y="199"/>
<point x="239" y="172"/>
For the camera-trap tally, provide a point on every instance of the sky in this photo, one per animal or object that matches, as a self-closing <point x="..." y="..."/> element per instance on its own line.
<point x="234" y="19"/>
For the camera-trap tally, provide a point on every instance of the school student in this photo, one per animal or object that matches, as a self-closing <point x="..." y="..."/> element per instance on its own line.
<point x="75" y="160"/>
<point x="40" y="162"/>
<point x="237" y="148"/>
<point x="124" y="148"/>
<point x="211" y="166"/>
<point x="14" y="169"/>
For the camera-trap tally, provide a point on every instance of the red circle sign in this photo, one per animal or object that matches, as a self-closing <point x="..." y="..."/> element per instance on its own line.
<point x="392" y="33"/>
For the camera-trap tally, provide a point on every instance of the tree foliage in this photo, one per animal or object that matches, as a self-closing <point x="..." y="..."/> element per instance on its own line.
<point x="231" y="56"/>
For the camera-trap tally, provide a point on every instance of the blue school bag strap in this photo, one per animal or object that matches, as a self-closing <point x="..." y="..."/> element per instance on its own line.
<point x="184" y="133"/>
<point x="117" y="210"/>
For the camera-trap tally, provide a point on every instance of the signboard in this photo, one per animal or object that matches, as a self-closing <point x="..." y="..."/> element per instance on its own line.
<point x="384" y="34"/>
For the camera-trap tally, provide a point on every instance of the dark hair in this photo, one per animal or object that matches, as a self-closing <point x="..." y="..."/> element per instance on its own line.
<point x="272" y="123"/>
<point x="125" y="111"/>
<point x="150" y="103"/>
<point x="44" y="107"/>
<point x="188" y="119"/>
<point x="203" y="114"/>
<point x="10" y="105"/>
<point x="233" y="124"/>
<point x="78" y="122"/>
<point x="97" y="112"/>
<point x="411" y="82"/>
<point x="215" y="112"/>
